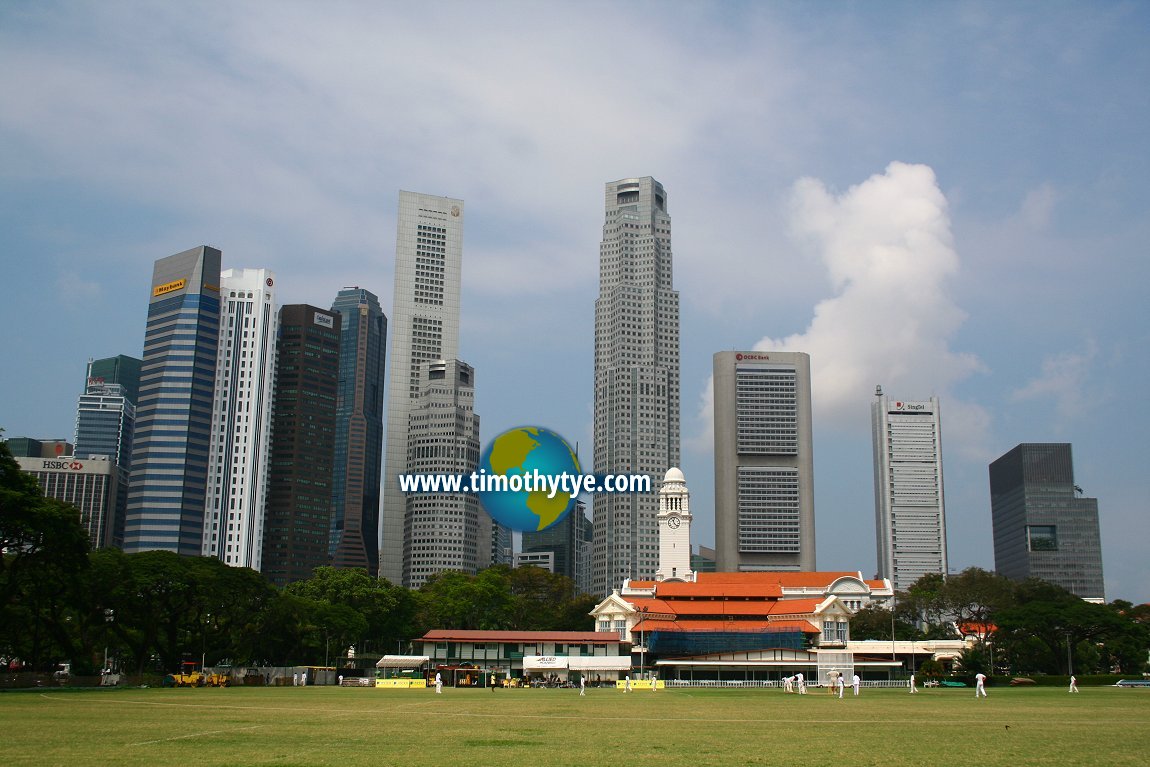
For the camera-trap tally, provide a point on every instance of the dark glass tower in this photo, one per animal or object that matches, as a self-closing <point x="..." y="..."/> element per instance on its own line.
<point x="298" y="523"/>
<point x="354" y="532"/>
<point x="173" y="416"/>
<point x="1042" y="528"/>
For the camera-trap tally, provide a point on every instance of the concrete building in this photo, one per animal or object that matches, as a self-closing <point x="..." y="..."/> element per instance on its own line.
<point x="240" y="443"/>
<point x="636" y="418"/>
<point x="121" y="369"/>
<point x="444" y="531"/>
<point x="424" y="328"/>
<point x="298" y="525"/>
<point x="909" y="507"/>
<point x="1043" y="528"/>
<point x="170" y="454"/>
<point x="764" y="462"/>
<point x="356" y="482"/>
<point x="91" y="485"/>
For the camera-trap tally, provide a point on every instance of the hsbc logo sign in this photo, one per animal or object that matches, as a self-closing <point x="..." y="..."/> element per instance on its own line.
<point x="63" y="466"/>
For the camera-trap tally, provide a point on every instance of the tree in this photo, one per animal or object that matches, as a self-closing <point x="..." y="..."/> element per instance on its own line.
<point x="389" y="611"/>
<point x="877" y="622"/>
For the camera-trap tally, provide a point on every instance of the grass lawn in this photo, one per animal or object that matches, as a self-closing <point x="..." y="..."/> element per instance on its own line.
<point x="289" y="726"/>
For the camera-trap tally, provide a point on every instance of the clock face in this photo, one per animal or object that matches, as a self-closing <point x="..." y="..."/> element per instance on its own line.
<point x="673" y="523"/>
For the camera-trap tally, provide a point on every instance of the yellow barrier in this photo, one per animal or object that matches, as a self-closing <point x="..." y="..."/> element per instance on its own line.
<point x="639" y="684"/>
<point x="402" y="684"/>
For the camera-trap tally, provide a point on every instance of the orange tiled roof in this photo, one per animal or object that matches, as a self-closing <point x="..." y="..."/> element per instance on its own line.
<point x="721" y="625"/>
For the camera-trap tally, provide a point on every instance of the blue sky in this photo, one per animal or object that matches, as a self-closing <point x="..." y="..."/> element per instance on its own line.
<point x="947" y="199"/>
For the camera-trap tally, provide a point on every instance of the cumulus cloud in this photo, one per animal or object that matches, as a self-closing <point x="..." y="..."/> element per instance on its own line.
<point x="887" y="247"/>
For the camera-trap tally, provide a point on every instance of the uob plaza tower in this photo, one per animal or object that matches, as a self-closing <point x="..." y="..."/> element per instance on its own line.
<point x="636" y="377"/>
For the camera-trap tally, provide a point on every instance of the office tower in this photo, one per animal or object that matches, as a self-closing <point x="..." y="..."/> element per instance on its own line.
<point x="298" y="525"/>
<point x="121" y="369"/>
<point x="91" y="485"/>
<point x="910" y="516"/>
<point x="105" y="423"/>
<point x="424" y="328"/>
<point x="26" y="447"/>
<point x="566" y="545"/>
<point x="241" y="419"/>
<point x="636" y="421"/>
<point x="168" y="483"/>
<point x="764" y="462"/>
<point x="442" y="531"/>
<point x="353" y="537"/>
<point x="1043" y="528"/>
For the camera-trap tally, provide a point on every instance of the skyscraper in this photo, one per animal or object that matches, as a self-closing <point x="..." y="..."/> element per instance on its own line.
<point x="298" y="526"/>
<point x="241" y="419"/>
<point x="910" y="517"/>
<point x="424" y="328"/>
<point x="568" y="541"/>
<point x="1043" y="528"/>
<point x="354" y="533"/>
<point x="443" y="531"/>
<point x="636" y="421"/>
<point x="174" y="415"/>
<point x="91" y="485"/>
<point x="764" y="462"/>
<point x="105" y="425"/>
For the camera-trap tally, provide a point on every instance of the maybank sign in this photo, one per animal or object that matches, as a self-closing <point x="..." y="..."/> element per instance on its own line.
<point x="169" y="287"/>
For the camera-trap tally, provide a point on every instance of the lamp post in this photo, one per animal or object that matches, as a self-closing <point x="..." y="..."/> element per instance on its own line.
<point x="1069" y="657"/>
<point x="642" y="644"/>
<point x="109" y="619"/>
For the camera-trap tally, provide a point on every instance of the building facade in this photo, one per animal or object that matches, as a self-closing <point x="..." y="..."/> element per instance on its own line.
<point x="240" y="443"/>
<point x="91" y="485"/>
<point x="1043" y="528"/>
<point x="170" y="452"/>
<point x="424" y="328"/>
<point x="909" y="507"/>
<point x="356" y="481"/>
<point x="444" y="531"/>
<point x="764" y="462"/>
<point x="298" y="524"/>
<point x="636" y="418"/>
<point x="105" y="425"/>
<point x="563" y="548"/>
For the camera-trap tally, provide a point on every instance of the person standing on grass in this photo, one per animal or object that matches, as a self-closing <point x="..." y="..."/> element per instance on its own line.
<point x="438" y="683"/>
<point x="582" y="685"/>
<point x="979" y="685"/>
<point x="788" y="684"/>
<point x="802" y="685"/>
<point x="855" y="682"/>
<point x="841" y="683"/>
<point x="1073" y="683"/>
<point x="913" y="689"/>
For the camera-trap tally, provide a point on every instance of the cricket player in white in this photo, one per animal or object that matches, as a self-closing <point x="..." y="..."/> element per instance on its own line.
<point x="979" y="685"/>
<point x="855" y="682"/>
<point x="1073" y="683"/>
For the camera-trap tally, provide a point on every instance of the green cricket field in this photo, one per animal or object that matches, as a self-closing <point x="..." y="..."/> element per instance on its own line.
<point x="293" y="727"/>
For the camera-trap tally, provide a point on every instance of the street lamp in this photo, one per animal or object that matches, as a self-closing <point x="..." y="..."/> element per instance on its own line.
<point x="109" y="619"/>
<point x="642" y="644"/>
<point x="1069" y="657"/>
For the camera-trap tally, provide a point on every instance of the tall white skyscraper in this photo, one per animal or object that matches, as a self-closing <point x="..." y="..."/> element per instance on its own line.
<point x="424" y="328"/>
<point x="238" y="449"/>
<point x="910" y="519"/>
<point x="636" y="377"/>
<point x="764" y="462"/>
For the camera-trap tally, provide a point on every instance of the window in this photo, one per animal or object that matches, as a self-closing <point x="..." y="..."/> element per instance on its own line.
<point x="1042" y="537"/>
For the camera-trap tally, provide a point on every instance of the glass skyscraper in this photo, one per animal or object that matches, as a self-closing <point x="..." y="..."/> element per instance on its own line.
<point x="1043" y="528"/>
<point x="354" y="531"/>
<point x="174" y="415"/>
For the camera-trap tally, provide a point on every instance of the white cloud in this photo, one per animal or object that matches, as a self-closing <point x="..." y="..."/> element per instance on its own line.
<point x="1064" y="379"/>
<point x="887" y="247"/>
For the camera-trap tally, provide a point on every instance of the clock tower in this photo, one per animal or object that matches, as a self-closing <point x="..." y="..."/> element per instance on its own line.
<point x="674" y="529"/>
